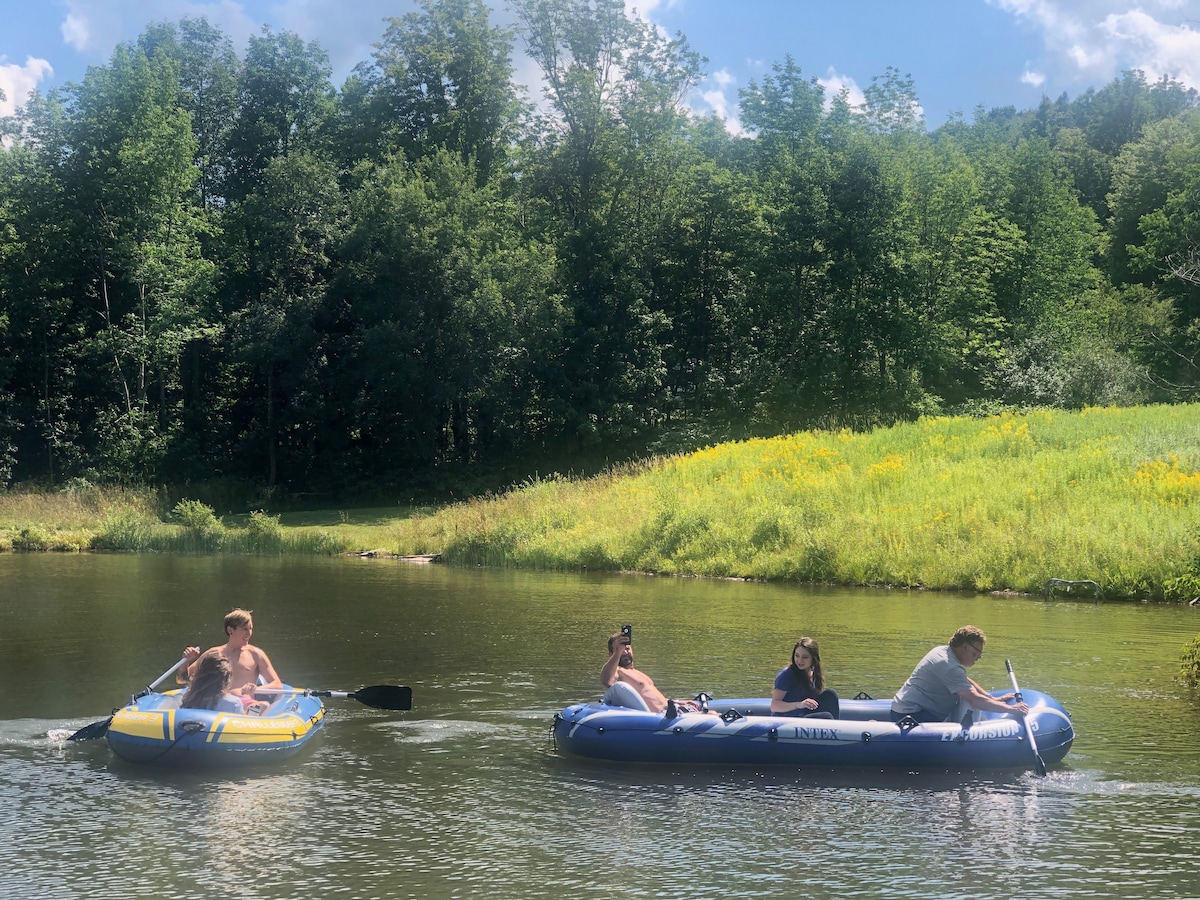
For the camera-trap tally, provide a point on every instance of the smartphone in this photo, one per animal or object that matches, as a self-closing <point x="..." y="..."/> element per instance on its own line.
<point x="627" y="630"/>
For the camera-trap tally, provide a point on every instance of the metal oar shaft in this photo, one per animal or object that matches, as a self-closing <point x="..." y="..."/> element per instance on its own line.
<point x="99" y="729"/>
<point x="1039" y="763"/>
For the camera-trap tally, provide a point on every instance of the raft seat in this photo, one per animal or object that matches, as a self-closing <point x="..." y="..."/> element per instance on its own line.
<point x="621" y="694"/>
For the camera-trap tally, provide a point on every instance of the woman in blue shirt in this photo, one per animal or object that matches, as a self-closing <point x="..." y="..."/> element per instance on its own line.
<point x="800" y="688"/>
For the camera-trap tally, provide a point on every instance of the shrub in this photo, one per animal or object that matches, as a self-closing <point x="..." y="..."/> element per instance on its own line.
<point x="31" y="539"/>
<point x="125" y="529"/>
<point x="1185" y="588"/>
<point x="203" y="530"/>
<point x="264" y="532"/>
<point x="1189" y="671"/>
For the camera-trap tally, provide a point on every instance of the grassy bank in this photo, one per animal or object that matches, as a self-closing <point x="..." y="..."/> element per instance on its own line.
<point x="1007" y="502"/>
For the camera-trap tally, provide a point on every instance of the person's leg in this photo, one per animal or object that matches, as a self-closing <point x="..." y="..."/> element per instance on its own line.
<point x="827" y="702"/>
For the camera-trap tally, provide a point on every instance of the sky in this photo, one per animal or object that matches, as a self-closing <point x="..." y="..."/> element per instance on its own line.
<point x="960" y="54"/>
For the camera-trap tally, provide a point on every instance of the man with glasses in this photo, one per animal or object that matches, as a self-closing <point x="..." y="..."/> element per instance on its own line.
<point x="939" y="683"/>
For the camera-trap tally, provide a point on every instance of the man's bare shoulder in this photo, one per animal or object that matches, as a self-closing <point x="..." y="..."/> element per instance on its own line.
<point x="259" y="653"/>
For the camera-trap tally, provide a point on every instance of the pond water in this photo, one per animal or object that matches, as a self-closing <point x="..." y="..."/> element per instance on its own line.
<point x="464" y="796"/>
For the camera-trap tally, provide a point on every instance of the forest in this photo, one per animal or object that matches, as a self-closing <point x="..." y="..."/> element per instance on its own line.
<point x="222" y="268"/>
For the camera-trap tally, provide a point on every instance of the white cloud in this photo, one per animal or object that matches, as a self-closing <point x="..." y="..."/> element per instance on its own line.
<point x="833" y="84"/>
<point x="1090" y="40"/>
<point x="75" y="31"/>
<point x="643" y="8"/>
<point x="1037" y="79"/>
<point x="1162" y="49"/>
<point x="17" y="82"/>
<point x="717" y="101"/>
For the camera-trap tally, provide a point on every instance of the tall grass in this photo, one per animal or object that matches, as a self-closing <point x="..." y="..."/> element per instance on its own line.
<point x="1006" y="502"/>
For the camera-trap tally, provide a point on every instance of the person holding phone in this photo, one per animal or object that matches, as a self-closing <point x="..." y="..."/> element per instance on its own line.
<point x="620" y="670"/>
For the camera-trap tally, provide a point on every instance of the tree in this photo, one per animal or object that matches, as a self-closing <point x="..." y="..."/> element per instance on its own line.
<point x="440" y="79"/>
<point x="207" y="66"/>
<point x="131" y="264"/>
<point x="438" y="320"/>
<point x="892" y="105"/>
<point x="1145" y="174"/>
<point x="284" y="238"/>
<point x="284" y="101"/>
<point x="616" y="88"/>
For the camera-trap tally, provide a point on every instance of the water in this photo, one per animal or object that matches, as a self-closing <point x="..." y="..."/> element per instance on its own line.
<point x="463" y="796"/>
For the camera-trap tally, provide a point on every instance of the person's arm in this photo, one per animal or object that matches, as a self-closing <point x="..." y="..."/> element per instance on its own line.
<point x="981" y="699"/>
<point x="779" y="705"/>
<point x="609" y="672"/>
<point x="266" y="670"/>
<point x="184" y="673"/>
<point x="1004" y="697"/>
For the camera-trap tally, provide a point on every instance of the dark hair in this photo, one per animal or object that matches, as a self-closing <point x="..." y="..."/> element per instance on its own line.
<point x="817" y="681"/>
<point x="213" y="674"/>
<point x="968" y="634"/>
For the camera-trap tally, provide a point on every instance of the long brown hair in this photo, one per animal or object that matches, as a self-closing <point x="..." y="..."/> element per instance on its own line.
<point x="817" y="682"/>
<point x="212" y="678"/>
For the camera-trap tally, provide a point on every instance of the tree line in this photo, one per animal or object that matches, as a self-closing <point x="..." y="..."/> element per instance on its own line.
<point x="221" y="266"/>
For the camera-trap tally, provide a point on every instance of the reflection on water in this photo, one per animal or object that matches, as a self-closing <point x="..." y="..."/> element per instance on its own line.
<point x="463" y="796"/>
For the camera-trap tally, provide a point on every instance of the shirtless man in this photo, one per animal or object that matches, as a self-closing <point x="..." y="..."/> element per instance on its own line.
<point x="248" y="661"/>
<point x="620" y="668"/>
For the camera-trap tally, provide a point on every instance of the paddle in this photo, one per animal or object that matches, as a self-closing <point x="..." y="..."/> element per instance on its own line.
<point x="1037" y="757"/>
<point x="380" y="696"/>
<point x="99" y="729"/>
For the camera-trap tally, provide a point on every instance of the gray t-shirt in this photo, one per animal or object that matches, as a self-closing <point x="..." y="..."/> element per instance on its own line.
<point x="934" y="685"/>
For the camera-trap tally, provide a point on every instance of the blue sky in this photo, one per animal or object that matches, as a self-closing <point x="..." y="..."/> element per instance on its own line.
<point x="960" y="53"/>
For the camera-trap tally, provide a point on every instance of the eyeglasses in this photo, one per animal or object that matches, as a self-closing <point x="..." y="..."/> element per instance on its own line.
<point x="978" y="650"/>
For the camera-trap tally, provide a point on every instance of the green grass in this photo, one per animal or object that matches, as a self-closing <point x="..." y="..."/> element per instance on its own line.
<point x="1000" y="503"/>
<point x="1006" y="502"/>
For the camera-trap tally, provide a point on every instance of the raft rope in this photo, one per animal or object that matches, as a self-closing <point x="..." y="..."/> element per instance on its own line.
<point x="185" y="728"/>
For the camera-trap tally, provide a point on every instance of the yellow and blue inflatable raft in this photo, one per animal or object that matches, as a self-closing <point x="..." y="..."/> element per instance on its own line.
<point x="154" y="730"/>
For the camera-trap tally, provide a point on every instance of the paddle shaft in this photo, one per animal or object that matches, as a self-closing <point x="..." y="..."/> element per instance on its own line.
<point x="98" y="729"/>
<point x="1037" y="757"/>
<point x="163" y="677"/>
<point x="380" y="696"/>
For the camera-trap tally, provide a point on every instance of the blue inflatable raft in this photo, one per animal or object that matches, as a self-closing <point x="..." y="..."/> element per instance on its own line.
<point x="744" y="732"/>
<point x="153" y="729"/>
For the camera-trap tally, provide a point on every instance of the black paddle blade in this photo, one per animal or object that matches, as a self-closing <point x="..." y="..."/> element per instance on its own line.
<point x="385" y="696"/>
<point x="91" y="732"/>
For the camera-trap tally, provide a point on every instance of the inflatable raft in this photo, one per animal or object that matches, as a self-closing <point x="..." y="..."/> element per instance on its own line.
<point x="744" y="732"/>
<point x="153" y="729"/>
